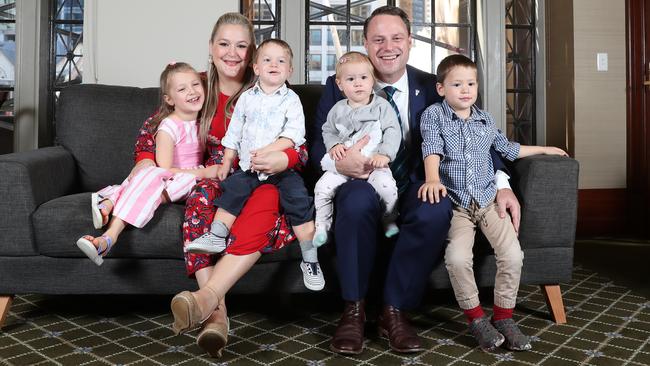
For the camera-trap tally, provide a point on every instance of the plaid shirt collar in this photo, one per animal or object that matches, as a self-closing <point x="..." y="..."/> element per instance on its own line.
<point x="477" y="114"/>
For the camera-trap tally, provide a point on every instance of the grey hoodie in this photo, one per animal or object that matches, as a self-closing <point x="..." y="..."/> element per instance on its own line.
<point x="346" y="125"/>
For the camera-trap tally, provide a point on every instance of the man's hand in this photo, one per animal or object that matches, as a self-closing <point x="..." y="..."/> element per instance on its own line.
<point x="507" y="201"/>
<point x="354" y="164"/>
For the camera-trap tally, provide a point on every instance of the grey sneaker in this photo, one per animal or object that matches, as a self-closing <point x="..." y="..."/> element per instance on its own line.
<point x="208" y="243"/>
<point x="312" y="276"/>
<point x="486" y="335"/>
<point x="515" y="339"/>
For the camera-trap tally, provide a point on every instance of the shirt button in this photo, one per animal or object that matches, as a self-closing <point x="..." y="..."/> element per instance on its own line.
<point x="469" y="186"/>
<point x="469" y="170"/>
<point x="467" y="156"/>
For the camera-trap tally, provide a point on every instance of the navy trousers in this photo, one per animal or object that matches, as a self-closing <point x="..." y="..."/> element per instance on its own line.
<point x="419" y="245"/>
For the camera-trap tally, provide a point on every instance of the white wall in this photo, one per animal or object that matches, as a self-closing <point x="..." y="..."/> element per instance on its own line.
<point x="128" y="42"/>
<point x="600" y="115"/>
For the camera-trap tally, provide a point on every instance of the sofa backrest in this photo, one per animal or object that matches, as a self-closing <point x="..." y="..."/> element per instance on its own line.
<point x="98" y="125"/>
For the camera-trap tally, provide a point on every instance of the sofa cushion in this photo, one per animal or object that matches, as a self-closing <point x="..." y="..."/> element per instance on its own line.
<point x="99" y="124"/>
<point x="60" y="222"/>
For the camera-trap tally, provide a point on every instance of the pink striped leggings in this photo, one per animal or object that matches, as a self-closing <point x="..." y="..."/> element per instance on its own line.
<point x="136" y="199"/>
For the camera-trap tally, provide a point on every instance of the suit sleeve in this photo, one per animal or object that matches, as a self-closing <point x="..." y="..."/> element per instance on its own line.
<point x="329" y="97"/>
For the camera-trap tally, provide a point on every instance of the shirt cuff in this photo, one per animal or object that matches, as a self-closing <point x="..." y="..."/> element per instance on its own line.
<point x="145" y="155"/>
<point x="292" y="156"/>
<point x="501" y="180"/>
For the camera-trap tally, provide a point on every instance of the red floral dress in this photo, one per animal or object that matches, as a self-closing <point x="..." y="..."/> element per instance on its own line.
<point x="259" y="227"/>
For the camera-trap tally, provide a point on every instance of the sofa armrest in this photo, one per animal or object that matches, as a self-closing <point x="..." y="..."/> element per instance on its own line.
<point x="547" y="187"/>
<point x="29" y="179"/>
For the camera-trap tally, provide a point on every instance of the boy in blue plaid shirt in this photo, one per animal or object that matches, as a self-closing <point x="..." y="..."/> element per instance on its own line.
<point x="457" y="137"/>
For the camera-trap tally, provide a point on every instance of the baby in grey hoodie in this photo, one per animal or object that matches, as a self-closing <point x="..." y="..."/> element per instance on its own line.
<point x="362" y="114"/>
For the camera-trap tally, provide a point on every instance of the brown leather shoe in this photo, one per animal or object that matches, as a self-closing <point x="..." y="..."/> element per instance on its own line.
<point x="394" y="325"/>
<point x="348" y="337"/>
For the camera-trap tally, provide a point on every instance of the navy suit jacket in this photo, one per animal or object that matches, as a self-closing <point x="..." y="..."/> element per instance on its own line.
<point x="422" y="93"/>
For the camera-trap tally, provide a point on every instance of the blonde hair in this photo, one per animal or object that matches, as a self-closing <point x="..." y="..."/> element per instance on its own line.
<point x="164" y="110"/>
<point x="353" y="57"/>
<point x="285" y="46"/>
<point x="212" y="92"/>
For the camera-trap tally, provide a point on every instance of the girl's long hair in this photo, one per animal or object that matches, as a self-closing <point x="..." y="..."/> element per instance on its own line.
<point x="165" y="109"/>
<point x="212" y="92"/>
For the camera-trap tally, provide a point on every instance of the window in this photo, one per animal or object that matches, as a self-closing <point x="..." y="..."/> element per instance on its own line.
<point x="315" y="63"/>
<point x="520" y="71"/>
<point x="66" y="57"/>
<point x="265" y="15"/>
<point x="315" y="37"/>
<point x="7" y="62"/>
<point x="331" y="62"/>
<point x="439" y="28"/>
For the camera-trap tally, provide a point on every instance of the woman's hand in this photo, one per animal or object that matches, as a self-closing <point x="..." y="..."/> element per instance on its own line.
<point x="210" y="172"/>
<point x="433" y="191"/>
<point x="144" y="163"/>
<point x="269" y="162"/>
<point x="222" y="171"/>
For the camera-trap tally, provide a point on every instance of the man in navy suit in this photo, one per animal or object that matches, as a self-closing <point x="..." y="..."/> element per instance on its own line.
<point x="423" y="226"/>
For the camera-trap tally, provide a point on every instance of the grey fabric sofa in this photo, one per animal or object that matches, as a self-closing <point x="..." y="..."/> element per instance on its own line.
<point x="45" y="208"/>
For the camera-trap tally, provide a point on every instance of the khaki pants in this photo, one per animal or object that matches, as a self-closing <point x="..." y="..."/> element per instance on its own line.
<point x="459" y="257"/>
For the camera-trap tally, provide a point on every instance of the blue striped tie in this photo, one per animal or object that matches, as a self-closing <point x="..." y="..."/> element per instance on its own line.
<point x="399" y="166"/>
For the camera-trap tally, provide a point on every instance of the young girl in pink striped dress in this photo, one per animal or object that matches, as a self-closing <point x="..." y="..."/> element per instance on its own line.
<point x="179" y="153"/>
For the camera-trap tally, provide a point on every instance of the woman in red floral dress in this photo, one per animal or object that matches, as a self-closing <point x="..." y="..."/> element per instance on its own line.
<point x="259" y="228"/>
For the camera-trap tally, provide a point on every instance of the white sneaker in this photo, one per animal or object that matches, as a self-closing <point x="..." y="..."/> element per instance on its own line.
<point x="312" y="275"/>
<point x="391" y="230"/>
<point x="208" y="243"/>
<point x="320" y="237"/>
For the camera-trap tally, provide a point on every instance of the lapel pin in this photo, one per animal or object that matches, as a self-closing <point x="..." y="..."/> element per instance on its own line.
<point x="417" y="91"/>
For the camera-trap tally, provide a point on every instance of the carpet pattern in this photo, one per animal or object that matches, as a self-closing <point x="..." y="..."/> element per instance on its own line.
<point x="607" y="325"/>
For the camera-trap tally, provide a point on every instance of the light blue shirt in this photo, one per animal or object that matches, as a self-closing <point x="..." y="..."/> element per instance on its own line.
<point x="259" y="119"/>
<point x="466" y="168"/>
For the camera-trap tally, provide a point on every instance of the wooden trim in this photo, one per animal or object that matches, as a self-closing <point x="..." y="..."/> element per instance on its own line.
<point x="601" y="212"/>
<point x="638" y="131"/>
<point x="5" y="304"/>
<point x="553" y="297"/>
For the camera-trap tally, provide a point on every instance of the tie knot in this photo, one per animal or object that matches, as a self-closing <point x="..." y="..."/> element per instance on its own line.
<point x="390" y="91"/>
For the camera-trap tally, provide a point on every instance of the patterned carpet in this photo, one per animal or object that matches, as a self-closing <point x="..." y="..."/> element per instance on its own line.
<point x="607" y="325"/>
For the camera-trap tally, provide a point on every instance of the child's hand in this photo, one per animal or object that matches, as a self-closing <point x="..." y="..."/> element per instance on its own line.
<point x="379" y="161"/>
<point x="222" y="171"/>
<point x="260" y="151"/>
<point x="552" y="150"/>
<point x="432" y="190"/>
<point x="337" y="152"/>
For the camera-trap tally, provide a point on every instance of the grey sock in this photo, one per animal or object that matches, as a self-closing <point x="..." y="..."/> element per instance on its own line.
<point x="219" y="229"/>
<point x="309" y="251"/>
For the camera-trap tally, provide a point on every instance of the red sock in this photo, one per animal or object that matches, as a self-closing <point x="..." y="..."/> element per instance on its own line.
<point x="474" y="313"/>
<point x="501" y="313"/>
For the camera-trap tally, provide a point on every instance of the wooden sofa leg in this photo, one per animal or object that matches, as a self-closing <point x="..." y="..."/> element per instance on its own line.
<point x="553" y="297"/>
<point x="5" y="304"/>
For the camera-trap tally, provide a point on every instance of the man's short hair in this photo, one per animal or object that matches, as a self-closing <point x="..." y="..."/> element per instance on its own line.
<point x="387" y="10"/>
<point x="449" y="62"/>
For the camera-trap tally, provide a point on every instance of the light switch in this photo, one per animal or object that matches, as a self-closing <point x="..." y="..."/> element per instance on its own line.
<point x="601" y="62"/>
